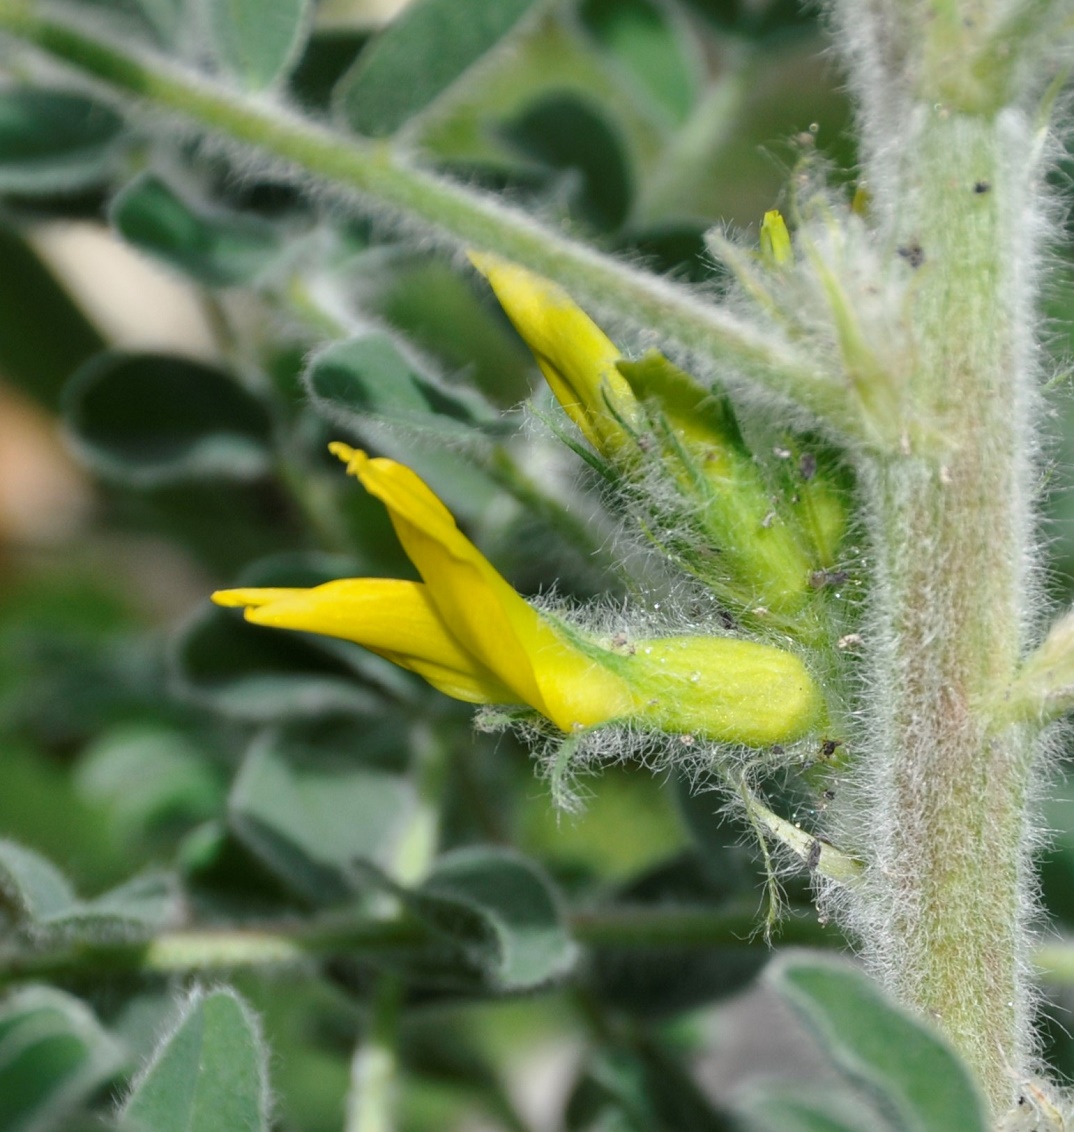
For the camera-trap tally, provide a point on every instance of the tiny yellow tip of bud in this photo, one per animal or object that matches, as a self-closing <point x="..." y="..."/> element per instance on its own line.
<point x="775" y="239"/>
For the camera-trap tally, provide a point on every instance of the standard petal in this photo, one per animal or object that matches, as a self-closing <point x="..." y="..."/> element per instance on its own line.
<point x="395" y="619"/>
<point x="577" y="359"/>
<point x="488" y="618"/>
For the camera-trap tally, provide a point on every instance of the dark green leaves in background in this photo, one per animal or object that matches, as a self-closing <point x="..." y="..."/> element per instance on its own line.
<point x="652" y="44"/>
<point x="151" y="420"/>
<point x="500" y="918"/>
<point x="51" y="141"/>
<point x="54" y="1054"/>
<point x="312" y="813"/>
<point x="432" y="43"/>
<point x="577" y="143"/>
<point x="215" y="248"/>
<point x="39" y="903"/>
<point x="44" y="336"/>
<point x="368" y="378"/>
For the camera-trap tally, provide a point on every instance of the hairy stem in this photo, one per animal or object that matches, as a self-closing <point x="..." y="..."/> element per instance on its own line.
<point x="945" y="920"/>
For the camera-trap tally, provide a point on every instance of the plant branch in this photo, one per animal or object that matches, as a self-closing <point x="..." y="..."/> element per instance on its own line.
<point x="304" y="943"/>
<point x="384" y="182"/>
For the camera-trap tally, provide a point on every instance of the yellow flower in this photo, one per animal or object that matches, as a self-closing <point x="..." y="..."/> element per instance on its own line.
<point x="466" y="631"/>
<point x="577" y="359"/>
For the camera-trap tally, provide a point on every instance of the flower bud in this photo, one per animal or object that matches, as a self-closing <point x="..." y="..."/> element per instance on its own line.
<point x="776" y="248"/>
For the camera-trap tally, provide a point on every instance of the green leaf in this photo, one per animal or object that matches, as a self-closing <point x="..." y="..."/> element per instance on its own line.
<point x="641" y="1089"/>
<point x="440" y="311"/>
<point x="31" y="886"/>
<point x="53" y="1055"/>
<point x="651" y="46"/>
<point x="134" y="910"/>
<point x="157" y="20"/>
<point x="209" y="1075"/>
<point x="329" y="54"/>
<point x="899" y="1059"/>
<point x="369" y="377"/>
<point x="222" y="521"/>
<point x="369" y="388"/>
<point x="783" y="1110"/>
<point x="257" y="41"/>
<point x="310" y="810"/>
<point x="44" y="905"/>
<point x="573" y="137"/>
<point x="432" y="43"/>
<point x="44" y="336"/>
<point x="499" y="919"/>
<point x="153" y="781"/>
<point x="51" y="141"/>
<point x="654" y="378"/>
<point x="219" y="249"/>
<point x="147" y="420"/>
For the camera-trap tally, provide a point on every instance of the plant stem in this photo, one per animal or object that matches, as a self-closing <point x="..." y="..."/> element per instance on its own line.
<point x="389" y="184"/>
<point x="374" y="1065"/>
<point x="300" y="944"/>
<point x="946" y="919"/>
<point x="232" y="948"/>
<point x="374" y="1083"/>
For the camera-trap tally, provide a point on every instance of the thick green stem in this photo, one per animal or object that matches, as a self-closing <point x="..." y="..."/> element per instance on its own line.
<point x="946" y="920"/>
<point x="389" y="184"/>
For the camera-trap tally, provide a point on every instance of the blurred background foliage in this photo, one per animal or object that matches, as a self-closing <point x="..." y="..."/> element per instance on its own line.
<point x="181" y="333"/>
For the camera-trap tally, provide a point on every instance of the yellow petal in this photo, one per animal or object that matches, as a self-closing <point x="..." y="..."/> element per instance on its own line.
<point x="575" y="356"/>
<point x="237" y="599"/>
<point x="395" y="619"/>
<point x="482" y="612"/>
